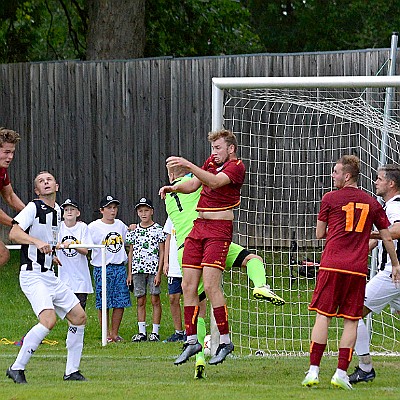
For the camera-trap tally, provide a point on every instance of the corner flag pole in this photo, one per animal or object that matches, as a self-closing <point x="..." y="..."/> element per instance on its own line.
<point x="103" y="285"/>
<point x="104" y="318"/>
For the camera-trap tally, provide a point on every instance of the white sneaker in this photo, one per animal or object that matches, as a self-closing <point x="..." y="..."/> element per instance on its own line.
<point x="311" y="379"/>
<point x="342" y="383"/>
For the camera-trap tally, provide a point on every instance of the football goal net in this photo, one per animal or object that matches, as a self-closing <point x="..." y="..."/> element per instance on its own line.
<point x="291" y="131"/>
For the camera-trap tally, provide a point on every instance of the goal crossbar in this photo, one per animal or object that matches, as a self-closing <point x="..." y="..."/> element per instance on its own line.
<point x="278" y="82"/>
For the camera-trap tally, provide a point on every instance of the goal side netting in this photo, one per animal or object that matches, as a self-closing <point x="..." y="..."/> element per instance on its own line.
<point x="289" y="139"/>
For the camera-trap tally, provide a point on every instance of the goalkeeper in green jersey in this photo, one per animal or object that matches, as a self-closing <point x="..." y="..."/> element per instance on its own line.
<point x="181" y="208"/>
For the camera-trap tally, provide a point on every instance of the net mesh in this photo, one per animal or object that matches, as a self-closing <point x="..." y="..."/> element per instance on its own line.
<point x="289" y="140"/>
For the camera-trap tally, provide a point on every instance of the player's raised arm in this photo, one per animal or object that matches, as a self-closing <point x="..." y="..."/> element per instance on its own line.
<point x="13" y="201"/>
<point x="20" y="236"/>
<point x="5" y="219"/>
<point x="204" y="177"/>
<point x="186" y="187"/>
<point x="11" y="198"/>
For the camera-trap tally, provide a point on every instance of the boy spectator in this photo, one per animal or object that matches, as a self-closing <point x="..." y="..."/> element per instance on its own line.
<point x="172" y="270"/>
<point x="111" y="232"/>
<point x="145" y="261"/>
<point x="73" y="263"/>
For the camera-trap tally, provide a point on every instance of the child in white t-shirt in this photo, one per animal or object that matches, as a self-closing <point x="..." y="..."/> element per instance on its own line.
<point x="111" y="232"/>
<point x="73" y="263"/>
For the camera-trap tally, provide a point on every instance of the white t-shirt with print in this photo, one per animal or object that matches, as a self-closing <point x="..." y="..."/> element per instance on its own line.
<point x="113" y="237"/>
<point x="74" y="269"/>
<point x="146" y="248"/>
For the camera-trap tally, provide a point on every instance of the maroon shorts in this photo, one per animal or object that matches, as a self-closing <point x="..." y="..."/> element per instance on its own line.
<point x="207" y="244"/>
<point x="338" y="294"/>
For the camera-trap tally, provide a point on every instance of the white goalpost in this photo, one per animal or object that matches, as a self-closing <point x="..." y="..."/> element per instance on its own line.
<point x="290" y="133"/>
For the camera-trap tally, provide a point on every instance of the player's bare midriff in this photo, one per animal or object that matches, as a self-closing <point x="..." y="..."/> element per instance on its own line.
<point x="224" y="215"/>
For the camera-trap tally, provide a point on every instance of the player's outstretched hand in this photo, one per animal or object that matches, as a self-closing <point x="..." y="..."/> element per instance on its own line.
<point x="44" y="247"/>
<point x="164" y="190"/>
<point x="396" y="275"/>
<point x="63" y="245"/>
<point x="175" y="161"/>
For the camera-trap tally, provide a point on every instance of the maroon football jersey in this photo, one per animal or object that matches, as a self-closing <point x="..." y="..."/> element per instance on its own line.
<point x="350" y="214"/>
<point x="225" y="197"/>
<point x="4" y="178"/>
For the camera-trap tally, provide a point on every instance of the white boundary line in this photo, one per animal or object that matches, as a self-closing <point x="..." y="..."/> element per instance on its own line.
<point x="103" y="282"/>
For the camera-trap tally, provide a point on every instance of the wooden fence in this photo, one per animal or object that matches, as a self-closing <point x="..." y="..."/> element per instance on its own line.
<point x="106" y="127"/>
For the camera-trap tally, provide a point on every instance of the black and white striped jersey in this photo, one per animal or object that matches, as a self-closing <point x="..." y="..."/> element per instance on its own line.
<point x="392" y="209"/>
<point x="42" y="222"/>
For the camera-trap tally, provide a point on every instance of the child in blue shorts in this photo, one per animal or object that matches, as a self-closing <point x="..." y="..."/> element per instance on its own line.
<point x="112" y="232"/>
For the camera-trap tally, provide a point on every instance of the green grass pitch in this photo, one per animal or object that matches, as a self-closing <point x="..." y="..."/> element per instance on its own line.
<point x="146" y="371"/>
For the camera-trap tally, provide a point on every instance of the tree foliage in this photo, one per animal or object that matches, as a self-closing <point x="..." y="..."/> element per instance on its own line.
<point x="320" y="25"/>
<point x="42" y="30"/>
<point x="199" y="28"/>
<point x="58" y="29"/>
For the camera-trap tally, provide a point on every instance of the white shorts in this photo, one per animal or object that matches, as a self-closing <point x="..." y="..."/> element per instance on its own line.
<point x="380" y="292"/>
<point x="45" y="291"/>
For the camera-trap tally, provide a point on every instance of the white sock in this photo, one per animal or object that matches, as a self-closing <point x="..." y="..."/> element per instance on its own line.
<point x="362" y="343"/>
<point x="362" y="347"/>
<point x="31" y="342"/>
<point x="156" y="328"/>
<point x="142" y="327"/>
<point x="365" y="367"/>
<point x="224" y="338"/>
<point x="341" y="374"/>
<point x="314" y="369"/>
<point x="74" y="344"/>
<point x="191" y="339"/>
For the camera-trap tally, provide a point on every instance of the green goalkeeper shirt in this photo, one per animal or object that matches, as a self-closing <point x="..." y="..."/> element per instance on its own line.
<point x="181" y="208"/>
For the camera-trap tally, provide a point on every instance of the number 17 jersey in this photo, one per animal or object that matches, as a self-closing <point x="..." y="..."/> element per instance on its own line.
<point x="350" y="214"/>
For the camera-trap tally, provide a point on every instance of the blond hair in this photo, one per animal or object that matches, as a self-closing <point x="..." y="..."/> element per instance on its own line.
<point x="177" y="171"/>
<point x="227" y="135"/>
<point x="8" y="136"/>
<point x="351" y="165"/>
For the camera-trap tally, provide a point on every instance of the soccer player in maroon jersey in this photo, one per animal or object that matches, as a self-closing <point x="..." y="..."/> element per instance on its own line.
<point x="345" y="219"/>
<point x="8" y="141"/>
<point x="206" y="246"/>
